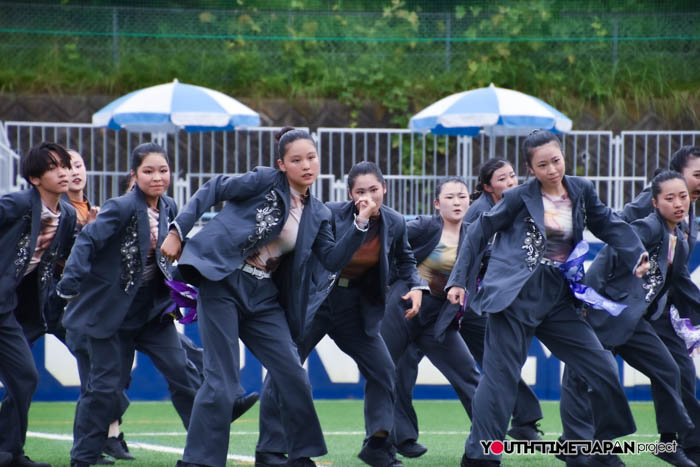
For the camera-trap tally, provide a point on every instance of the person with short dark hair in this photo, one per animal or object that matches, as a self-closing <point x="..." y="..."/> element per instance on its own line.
<point x="527" y="292"/>
<point x="37" y="229"/>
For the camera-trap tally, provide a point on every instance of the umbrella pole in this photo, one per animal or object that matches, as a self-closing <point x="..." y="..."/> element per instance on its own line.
<point x="492" y="144"/>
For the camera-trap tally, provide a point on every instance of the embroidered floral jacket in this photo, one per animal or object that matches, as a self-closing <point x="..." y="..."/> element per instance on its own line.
<point x="642" y="296"/>
<point x="519" y="221"/>
<point x="105" y="266"/>
<point x="20" y="219"/>
<point x="685" y="293"/>
<point x="257" y="206"/>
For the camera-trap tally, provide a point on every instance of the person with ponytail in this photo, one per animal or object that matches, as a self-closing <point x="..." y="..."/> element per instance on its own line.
<point x="686" y="161"/>
<point x="253" y="264"/>
<point x="529" y="288"/>
<point x="435" y="241"/>
<point x="630" y="334"/>
<point x="352" y="314"/>
<point x="495" y="177"/>
<point x="114" y="284"/>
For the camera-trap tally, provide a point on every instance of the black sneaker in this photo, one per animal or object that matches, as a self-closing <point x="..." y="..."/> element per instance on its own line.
<point x="182" y="463"/>
<point x="411" y="448"/>
<point x="601" y="460"/>
<point x="693" y="453"/>
<point x="5" y="458"/>
<point x="301" y="462"/>
<point x="269" y="459"/>
<point x="24" y="461"/>
<point x="102" y="460"/>
<point x="467" y="462"/>
<point x="379" y="457"/>
<point x="529" y="431"/>
<point x="677" y="458"/>
<point x="117" y="448"/>
<point x="243" y="404"/>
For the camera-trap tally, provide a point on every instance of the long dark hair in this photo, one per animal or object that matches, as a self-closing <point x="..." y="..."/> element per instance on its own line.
<point x="486" y="172"/>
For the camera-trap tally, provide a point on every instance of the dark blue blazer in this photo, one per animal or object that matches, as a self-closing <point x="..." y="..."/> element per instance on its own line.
<point x="521" y="240"/>
<point x="640" y="295"/>
<point x="685" y="292"/>
<point x="424" y="235"/>
<point x="482" y="204"/>
<point x="396" y="261"/>
<point x="257" y="206"/>
<point x="105" y="266"/>
<point x="20" y="222"/>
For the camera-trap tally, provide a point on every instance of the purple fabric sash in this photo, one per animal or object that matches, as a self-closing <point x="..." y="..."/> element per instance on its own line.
<point x="572" y="270"/>
<point x="686" y="331"/>
<point x="184" y="296"/>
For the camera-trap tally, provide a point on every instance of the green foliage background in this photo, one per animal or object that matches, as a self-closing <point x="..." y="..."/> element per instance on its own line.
<point x="401" y="54"/>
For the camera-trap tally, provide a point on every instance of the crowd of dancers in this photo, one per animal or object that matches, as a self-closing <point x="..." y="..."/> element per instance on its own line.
<point x="468" y="287"/>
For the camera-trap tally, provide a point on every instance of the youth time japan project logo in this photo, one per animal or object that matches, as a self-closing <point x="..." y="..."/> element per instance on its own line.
<point x="574" y="447"/>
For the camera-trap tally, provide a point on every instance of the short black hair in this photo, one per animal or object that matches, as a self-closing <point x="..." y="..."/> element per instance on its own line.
<point x="42" y="158"/>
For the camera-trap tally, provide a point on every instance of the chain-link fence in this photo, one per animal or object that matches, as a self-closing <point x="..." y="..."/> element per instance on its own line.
<point x="528" y="45"/>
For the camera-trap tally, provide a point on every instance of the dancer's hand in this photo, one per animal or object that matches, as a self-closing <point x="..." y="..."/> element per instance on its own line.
<point x="644" y="266"/>
<point x="416" y="297"/>
<point x="456" y="295"/>
<point x="171" y="247"/>
<point x="365" y="208"/>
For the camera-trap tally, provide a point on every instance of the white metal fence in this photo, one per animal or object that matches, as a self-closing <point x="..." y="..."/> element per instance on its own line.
<point x="618" y="165"/>
<point x="9" y="164"/>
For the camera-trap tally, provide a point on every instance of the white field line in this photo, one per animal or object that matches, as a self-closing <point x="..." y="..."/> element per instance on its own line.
<point x="145" y="446"/>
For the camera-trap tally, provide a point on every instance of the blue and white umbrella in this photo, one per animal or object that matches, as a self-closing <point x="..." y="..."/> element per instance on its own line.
<point x="169" y="107"/>
<point x="498" y="111"/>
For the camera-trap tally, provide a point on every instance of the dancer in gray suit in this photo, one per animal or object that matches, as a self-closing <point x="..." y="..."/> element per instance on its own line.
<point x="631" y="334"/>
<point x="538" y="224"/>
<point x="37" y="229"/>
<point x="495" y="177"/>
<point x="114" y="282"/>
<point x="253" y="265"/>
<point x="351" y="316"/>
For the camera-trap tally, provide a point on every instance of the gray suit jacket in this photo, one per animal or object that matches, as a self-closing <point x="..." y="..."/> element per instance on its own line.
<point x="640" y="295"/>
<point x="257" y="206"/>
<point x="396" y="261"/>
<point x="105" y="267"/>
<point x="684" y="291"/>
<point x="20" y="222"/>
<point x="520" y="244"/>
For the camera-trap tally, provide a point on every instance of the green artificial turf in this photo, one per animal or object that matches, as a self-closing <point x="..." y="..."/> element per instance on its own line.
<point x="443" y="424"/>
